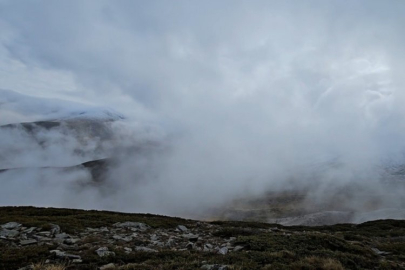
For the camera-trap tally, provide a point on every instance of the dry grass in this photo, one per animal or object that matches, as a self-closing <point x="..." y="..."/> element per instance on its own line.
<point x="42" y="266"/>
<point x="314" y="262"/>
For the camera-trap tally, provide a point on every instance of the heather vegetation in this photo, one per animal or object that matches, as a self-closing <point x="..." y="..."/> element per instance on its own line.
<point x="110" y="240"/>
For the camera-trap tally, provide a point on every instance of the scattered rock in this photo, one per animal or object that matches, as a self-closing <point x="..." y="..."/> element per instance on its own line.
<point x="140" y="235"/>
<point x="103" y="251"/>
<point x="62" y="254"/>
<point x="189" y="246"/>
<point x="11" y="225"/>
<point x="237" y="248"/>
<point x="191" y="237"/>
<point x="214" y="267"/>
<point x="170" y="243"/>
<point x="125" y="238"/>
<point x="55" y="229"/>
<point x="129" y="224"/>
<point x="28" y="242"/>
<point x="71" y="241"/>
<point x="182" y="228"/>
<point x="58" y="253"/>
<point x="62" y="235"/>
<point x="29" y="230"/>
<point x="223" y="251"/>
<point x="379" y="252"/>
<point x="145" y="249"/>
<point x="9" y="233"/>
<point x="107" y="266"/>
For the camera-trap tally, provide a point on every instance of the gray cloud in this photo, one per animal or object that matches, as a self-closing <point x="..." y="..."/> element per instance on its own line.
<point x="250" y="93"/>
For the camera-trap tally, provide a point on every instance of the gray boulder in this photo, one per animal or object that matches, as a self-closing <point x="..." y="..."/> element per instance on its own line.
<point x="11" y="225"/>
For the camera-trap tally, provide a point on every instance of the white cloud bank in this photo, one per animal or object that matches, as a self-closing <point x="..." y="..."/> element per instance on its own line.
<point x="250" y="93"/>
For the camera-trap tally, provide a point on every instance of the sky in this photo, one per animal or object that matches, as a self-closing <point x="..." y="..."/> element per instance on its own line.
<point x="247" y="90"/>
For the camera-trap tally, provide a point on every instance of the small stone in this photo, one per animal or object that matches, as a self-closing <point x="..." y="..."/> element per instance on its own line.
<point x="182" y="228"/>
<point x="191" y="237"/>
<point x="62" y="235"/>
<point x="145" y="249"/>
<point x="171" y="242"/>
<point x="58" y="253"/>
<point x="207" y="247"/>
<point x="223" y="251"/>
<point x="107" y="266"/>
<point x="28" y="242"/>
<point x="11" y="225"/>
<point x="103" y="251"/>
<point x="237" y="248"/>
<point x="72" y="256"/>
<point x="68" y="247"/>
<point x="55" y="229"/>
<point x="71" y="241"/>
<point x="62" y="254"/>
<point x="127" y="239"/>
<point x="117" y="237"/>
<point x="127" y="250"/>
<point x="29" y="230"/>
<point x="42" y="238"/>
<point x="103" y="229"/>
<point x="379" y="252"/>
<point x="189" y="246"/>
<point x="214" y="267"/>
<point x="77" y="261"/>
<point x="158" y="243"/>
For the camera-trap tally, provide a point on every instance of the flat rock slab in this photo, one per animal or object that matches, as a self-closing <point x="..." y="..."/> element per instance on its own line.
<point x="182" y="228"/>
<point x="11" y="225"/>
<point x="28" y="242"/>
<point x="9" y="233"/>
<point x="108" y="266"/>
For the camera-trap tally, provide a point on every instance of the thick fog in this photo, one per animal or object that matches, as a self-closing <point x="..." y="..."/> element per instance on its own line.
<point x="222" y="100"/>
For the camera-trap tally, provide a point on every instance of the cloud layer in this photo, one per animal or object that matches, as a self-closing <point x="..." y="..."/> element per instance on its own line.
<point x="250" y="93"/>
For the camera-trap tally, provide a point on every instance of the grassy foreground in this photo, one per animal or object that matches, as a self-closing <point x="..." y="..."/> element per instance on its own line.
<point x="371" y="245"/>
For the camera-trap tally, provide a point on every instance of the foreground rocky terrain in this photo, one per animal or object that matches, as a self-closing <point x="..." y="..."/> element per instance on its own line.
<point x="49" y="238"/>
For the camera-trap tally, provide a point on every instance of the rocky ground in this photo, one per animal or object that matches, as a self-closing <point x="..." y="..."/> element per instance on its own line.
<point x="47" y="238"/>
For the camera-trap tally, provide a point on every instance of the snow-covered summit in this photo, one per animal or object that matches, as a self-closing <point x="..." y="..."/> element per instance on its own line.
<point x="15" y="107"/>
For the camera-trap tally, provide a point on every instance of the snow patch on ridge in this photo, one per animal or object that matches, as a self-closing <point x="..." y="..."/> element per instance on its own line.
<point x="17" y="107"/>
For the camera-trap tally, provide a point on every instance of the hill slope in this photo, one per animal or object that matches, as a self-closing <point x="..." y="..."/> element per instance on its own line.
<point x="79" y="239"/>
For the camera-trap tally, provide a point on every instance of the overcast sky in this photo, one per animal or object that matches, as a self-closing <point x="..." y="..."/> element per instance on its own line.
<point x="260" y="84"/>
<point x="247" y="63"/>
